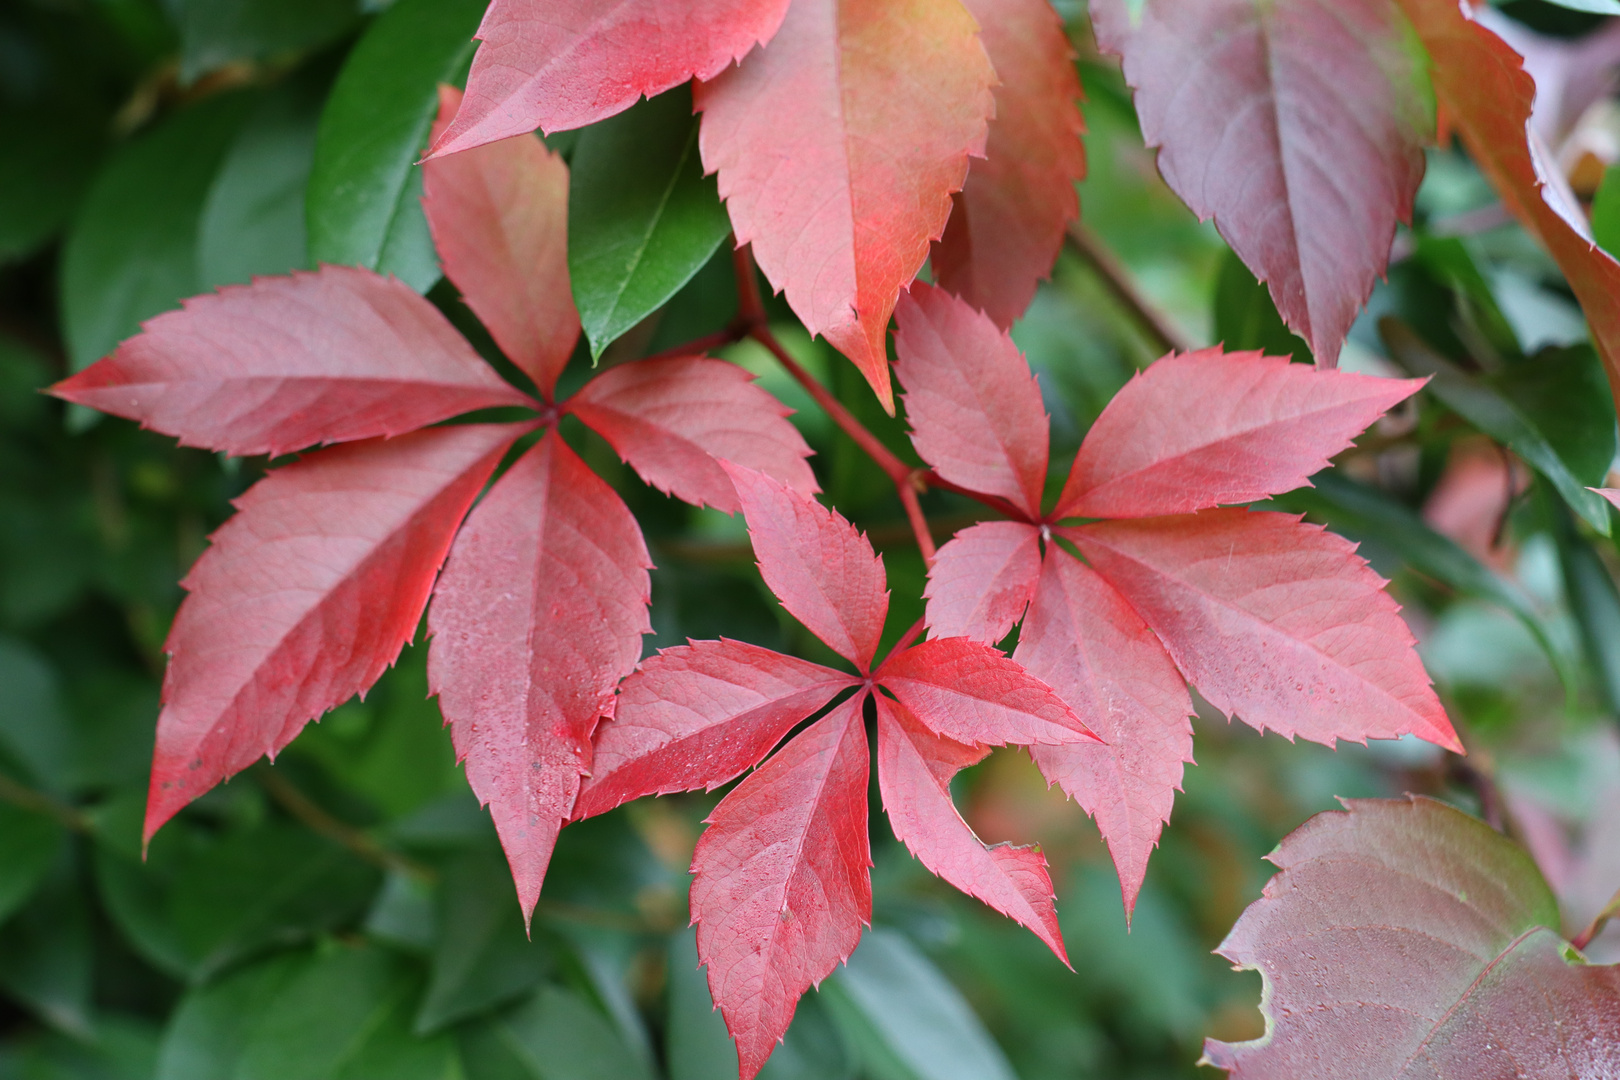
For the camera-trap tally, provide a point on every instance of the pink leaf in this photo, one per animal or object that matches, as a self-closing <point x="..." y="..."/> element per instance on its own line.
<point x="538" y="616"/>
<point x="982" y="580"/>
<point x="971" y="693"/>
<point x="290" y="362"/>
<point x="499" y="216"/>
<point x="698" y="716"/>
<point x="915" y="768"/>
<point x="822" y="570"/>
<point x="672" y="418"/>
<point x="975" y="410"/>
<point x="561" y="64"/>
<point x="781" y="884"/>
<point x="838" y="147"/>
<point x="1099" y="656"/>
<point x="1275" y="621"/>
<point x="306" y="596"/>
<point x="1204" y="428"/>
<point x="1298" y="125"/>
<point x="1612" y="494"/>
<point x="1007" y="226"/>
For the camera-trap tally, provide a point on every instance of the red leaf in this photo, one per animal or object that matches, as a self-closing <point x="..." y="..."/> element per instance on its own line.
<point x="561" y="64"/>
<point x="698" y="716"/>
<point x="538" y="616"/>
<point x="838" y="147"/>
<point x="672" y="418"/>
<point x="781" y="884"/>
<point x="1275" y="621"/>
<point x="289" y="362"/>
<point x="914" y="774"/>
<point x="975" y="409"/>
<point x="971" y="693"/>
<point x="1204" y="428"/>
<point x="1083" y="639"/>
<point x="1612" y="494"/>
<point x="499" y="216"/>
<point x="1487" y="95"/>
<point x="1296" y="124"/>
<point x="982" y="580"/>
<point x="306" y="596"/>
<point x="822" y="570"/>
<point x="1007" y="226"/>
<point x="1405" y="939"/>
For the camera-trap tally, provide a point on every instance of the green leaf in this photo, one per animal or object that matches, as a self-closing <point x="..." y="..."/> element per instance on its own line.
<point x="1594" y="602"/>
<point x="214" y="33"/>
<point x="1502" y="418"/>
<point x="1606" y="210"/>
<point x="1246" y="317"/>
<point x="132" y="251"/>
<point x="1564" y="393"/>
<point x="46" y="955"/>
<point x="483" y="957"/>
<point x="33" y="730"/>
<point x="906" y="1020"/>
<point x="364" y="199"/>
<point x="49" y="160"/>
<point x="210" y="1028"/>
<point x="642" y="217"/>
<point x="29" y="844"/>
<point x="555" y="1035"/>
<point x="1596" y="7"/>
<point x="124" y="1049"/>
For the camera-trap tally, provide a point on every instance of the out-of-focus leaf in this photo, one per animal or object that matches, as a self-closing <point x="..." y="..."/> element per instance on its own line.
<point x="124" y="1049"/>
<point x="33" y="729"/>
<point x="906" y="1021"/>
<point x="1594" y="602"/>
<point x="1564" y="393"/>
<point x="1606" y="203"/>
<point x="29" y="843"/>
<point x="212" y="1024"/>
<point x="364" y="198"/>
<point x="642" y="217"/>
<point x="46" y="956"/>
<point x="1246" y="317"/>
<point x="555" y="1035"/>
<point x="132" y="250"/>
<point x="49" y="159"/>
<point x="214" y="33"/>
<point x="696" y="1046"/>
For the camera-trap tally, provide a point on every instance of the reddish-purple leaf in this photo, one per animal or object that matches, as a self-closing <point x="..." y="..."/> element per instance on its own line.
<point x="982" y="580"/>
<point x="971" y="693"/>
<point x="824" y="571"/>
<point x="1298" y="125"/>
<point x="1083" y="639"/>
<point x="1007" y="225"/>
<point x="915" y="767"/>
<point x="561" y="64"/>
<point x="538" y="616"/>
<point x="1275" y="621"/>
<point x="306" y="596"/>
<point x="289" y="362"/>
<point x="781" y="885"/>
<point x="672" y="418"/>
<point x="499" y="216"/>
<point x="838" y="147"/>
<point x="975" y="409"/>
<point x="1405" y="940"/>
<point x="1204" y="428"/>
<point x="698" y="716"/>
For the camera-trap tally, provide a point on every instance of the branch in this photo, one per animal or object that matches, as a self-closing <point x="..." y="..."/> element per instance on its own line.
<point x="26" y="798"/>
<point x="1610" y="910"/>
<point x="1157" y="327"/>
<point x="301" y="806"/>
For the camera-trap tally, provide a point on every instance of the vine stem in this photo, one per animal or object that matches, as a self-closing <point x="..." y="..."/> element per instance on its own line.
<point x="1593" y="929"/>
<point x="288" y="796"/>
<point x="1154" y="324"/>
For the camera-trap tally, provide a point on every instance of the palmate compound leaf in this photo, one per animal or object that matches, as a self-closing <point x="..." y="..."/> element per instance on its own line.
<point x="982" y="580"/>
<point x="288" y="362"/>
<point x="561" y="65"/>
<point x="1296" y="124"/>
<point x="306" y="596"/>
<point x="1007" y="225"/>
<point x="537" y="617"/>
<point x="1405" y="940"/>
<point x="839" y="145"/>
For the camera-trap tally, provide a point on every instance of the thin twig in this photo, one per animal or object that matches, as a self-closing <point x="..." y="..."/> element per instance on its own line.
<point x="26" y="798"/>
<point x="361" y="843"/>
<point x="1154" y="324"/>
<point x="919" y="523"/>
<point x="1610" y="910"/>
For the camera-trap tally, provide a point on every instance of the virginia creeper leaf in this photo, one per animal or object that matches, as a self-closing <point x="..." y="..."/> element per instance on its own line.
<point x="982" y="580"/>
<point x="1007" y="225"/>
<point x="499" y="219"/>
<point x="971" y="693"/>
<point x="823" y="571"/>
<point x="674" y="419"/>
<point x="538" y="616"/>
<point x="838" y="147"/>
<point x="1275" y="621"/>
<point x="974" y="407"/>
<point x="323" y="357"/>
<point x="1404" y="939"/>
<point x="1204" y="428"/>
<point x="306" y="596"/>
<point x="781" y="885"/>
<point x="1296" y="124"/>
<point x="1086" y="642"/>
<point x="555" y="66"/>
<point x="699" y="715"/>
<point x="915" y="767"/>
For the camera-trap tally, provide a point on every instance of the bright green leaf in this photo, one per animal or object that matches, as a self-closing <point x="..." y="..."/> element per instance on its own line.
<point x="1246" y="317"/>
